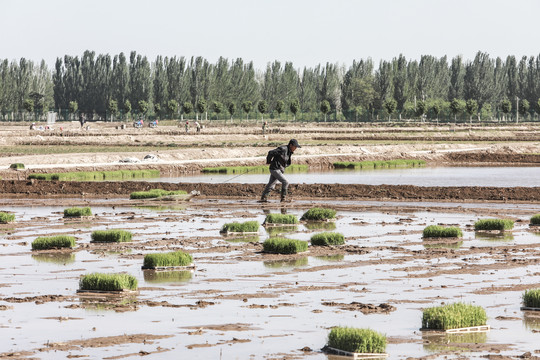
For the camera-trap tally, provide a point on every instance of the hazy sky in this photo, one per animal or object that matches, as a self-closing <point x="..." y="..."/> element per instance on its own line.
<point x="306" y="32"/>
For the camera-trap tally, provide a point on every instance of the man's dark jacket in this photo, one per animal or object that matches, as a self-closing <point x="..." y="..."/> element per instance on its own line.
<point x="279" y="158"/>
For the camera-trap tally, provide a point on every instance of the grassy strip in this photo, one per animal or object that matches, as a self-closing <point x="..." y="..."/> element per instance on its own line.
<point x="175" y="258"/>
<point x="357" y="340"/>
<point x="77" y="212"/>
<point x="248" y="226"/>
<point x="279" y="245"/>
<point x="281" y="219"/>
<point x="155" y="193"/>
<point x="6" y="217"/>
<point x="494" y="224"/>
<point x="262" y="169"/>
<point x="327" y="238"/>
<point x="436" y="231"/>
<point x="378" y="164"/>
<point x="531" y="298"/>
<point x="108" y="282"/>
<point x="97" y="175"/>
<point x="453" y="316"/>
<point x="16" y="166"/>
<point x="318" y="214"/>
<point x="53" y="242"/>
<point x="111" y="236"/>
<point x="535" y="219"/>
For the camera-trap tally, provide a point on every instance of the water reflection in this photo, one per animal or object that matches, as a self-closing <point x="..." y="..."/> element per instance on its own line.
<point x="531" y="320"/>
<point x="107" y="302"/>
<point x="320" y="225"/>
<point x="254" y="238"/>
<point x="331" y="258"/>
<point x="500" y="236"/>
<point x="278" y="230"/>
<point x="449" y="245"/>
<point x="61" y="258"/>
<point x="152" y="276"/>
<point x="162" y="207"/>
<point x="276" y="264"/>
<point x="435" y="342"/>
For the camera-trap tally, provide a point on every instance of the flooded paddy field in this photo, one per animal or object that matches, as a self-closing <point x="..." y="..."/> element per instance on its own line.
<point x="240" y="303"/>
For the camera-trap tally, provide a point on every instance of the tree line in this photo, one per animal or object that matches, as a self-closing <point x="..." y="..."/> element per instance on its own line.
<point x="105" y="85"/>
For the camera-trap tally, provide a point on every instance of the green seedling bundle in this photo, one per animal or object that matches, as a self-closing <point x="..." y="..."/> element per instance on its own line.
<point x="379" y="164"/>
<point x="107" y="236"/>
<point x="453" y="316"/>
<point x="436" y="231"/>
<point x="175" y="258"/>
<point x="319" y="214"/>
<point x="155" y="193"/>
<point x="356" y="340"/>
<point x="53" y="242"/>
<point x="281" y="219"/>
<point x="245" y="227"/>
<point x="6" y="218"/>
<point x="279" y="245"/>
<point x="77" y="212"/>
<point x="327" y="238"/>
<point x="17" y="166"/>
<point x="535" y="219"/>
<point x="251" y="169"/>
<point x="531" y="298"/>
<point x="494" y="224"/>
<point x="107" y="282"/>
<point x="97" y="175"/>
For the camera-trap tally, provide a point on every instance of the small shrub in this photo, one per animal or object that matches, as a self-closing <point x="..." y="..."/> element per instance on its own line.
<point x="248" y="226"/>
<point x="535" y="219"/>
<point x="77" y="212"/>
<point x="453" y="316"/>
<point x="281" y="219"/>
<point x="155" y="193"/>
<point x="111" y="236"/>
<point x="327" y="238"/>
<point x="108" y="282"/>
<point x="53" y="242"/>
<point x="6" y="217"/>
<point x="16" y="166"/>
<point x="175" y="258"/>
<point x="494" y="224"/>
<point x="318" y="214"/>
<point x="284" y="246"/>
<point x="436" y="231"/>
<point x="357" y="340"/>
<point x="531" y="298"/>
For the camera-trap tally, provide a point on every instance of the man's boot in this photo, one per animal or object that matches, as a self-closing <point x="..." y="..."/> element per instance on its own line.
<point x="284" y="197"/>
<point x="264" y="198"/>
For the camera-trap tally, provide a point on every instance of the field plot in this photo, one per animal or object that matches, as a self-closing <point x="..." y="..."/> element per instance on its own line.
<point x="239" y="302"/>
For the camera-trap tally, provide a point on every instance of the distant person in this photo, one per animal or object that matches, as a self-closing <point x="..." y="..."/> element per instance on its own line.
<point x="265" y="125"/>
<point x="198" y="126"/>
<point x="279" y="159"/>
<point x="33" y="126"/>
<point x="187" y="126"/>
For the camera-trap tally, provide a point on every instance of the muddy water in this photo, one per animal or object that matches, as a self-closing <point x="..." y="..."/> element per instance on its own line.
<point x="239" y="303"/>
<point x="428" y="176"/>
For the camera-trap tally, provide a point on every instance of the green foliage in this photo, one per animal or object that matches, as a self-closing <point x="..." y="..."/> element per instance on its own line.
<point x="281" y="219"/>
<point x="73" y="107"/>
<point x="390" y="106"/>
<point x="250" y="169"/>
<point x="277" y="245"/>
<point x="112" y="107"/>
<point x="357" y="340"/>
<point x="201" y="106"/>
<point x="453" y="316"/>
<point x="506" y="106"/>
<point x="535" y="219"/>
<point x="231" y="108"/>
<point x="378" y="164"/>
<point x="280" y="107"/>
<point x="127" y="106"/>
<point x="155" y="193"/>
<point x="172" y="107"/>
<point x="28" y="105"/>
<point x="457" y="106"/>
<point x="523" y="107"/>
<point x="436" y="231"/>
<point x="142" y="106"/>
<point x="327" y="238"/>
<point x="6" y="217"/>
<point x="187" y="108"/>
<point x="494" y="224"/>
<point x="77" y="212"/>
<point x="247" y="106"/>
<point x="248" y="226"/>
<point x="318" y="214"/>
<point x="294" y="106"/>
<point x="97" y="175"/>
<point x="421" y="108"/>
<point x="531" y="298"/>
<point x="53" y="242"/>
<point x="325" y="107"/>
<point x="175" y="258"/>
<point x="108" y="282"/>
<point x="16" y="166"/>
<point x="111" y="236"/>
<point x="262" y="107"/>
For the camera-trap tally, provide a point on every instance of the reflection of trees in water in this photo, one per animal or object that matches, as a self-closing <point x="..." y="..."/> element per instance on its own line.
<point x="278" y="230"/>
<point x="337" y="257"/>
<point x="62" y="258"/>
<point x="441" y="341"/>
<point x="495" y="236"/>
<point x="275" y="264"/>
<point x="455" y="245"/>
<point x="531" y="320"/>
<point x="152" y="276"/>
<point x="320" y="225"/>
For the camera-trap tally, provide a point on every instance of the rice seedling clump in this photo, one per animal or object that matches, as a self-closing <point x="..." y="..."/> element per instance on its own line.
<point x="155" y="193"/>
<point x="531" y="298"/>
<point x="175" y="258"/>
<point x="111" y="236"/>
<point x="494" y="224"/>
<point x="281" y="219"/>
<point x="318" y="214"/>
<point x="327" y="238"/>
<point x="436" y="231"/>
<point x="535" y="219"/>
<point x="379" y="164"/>
<point x="279" y="245"/>
<point x="108" y="282"/>
<point x="453" y="316"/>
<point x="252" y="169"/>
<point x="357" y="340"/>
<point x="6" y="217"/>
<point x="16" y="166"/>
<point x="97" y="175"/>
<point x="53" y="242"/>
<point x="77" y="212"/>
<point x="248" y="226"/>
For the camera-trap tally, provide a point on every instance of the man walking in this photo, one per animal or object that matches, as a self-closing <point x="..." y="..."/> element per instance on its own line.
<point x="279" y="159"/>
